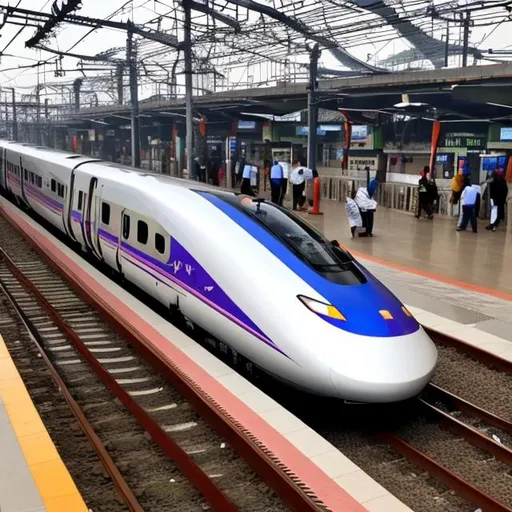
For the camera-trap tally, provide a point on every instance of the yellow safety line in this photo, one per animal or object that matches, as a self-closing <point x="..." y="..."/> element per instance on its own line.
<point x="56" y="487"/>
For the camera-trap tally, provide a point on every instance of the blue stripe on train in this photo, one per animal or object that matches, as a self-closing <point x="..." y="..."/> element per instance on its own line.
<point x="360" y="304"/>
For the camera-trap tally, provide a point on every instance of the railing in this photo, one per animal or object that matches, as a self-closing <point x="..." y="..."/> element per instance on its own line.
<point x="398" y="196"/>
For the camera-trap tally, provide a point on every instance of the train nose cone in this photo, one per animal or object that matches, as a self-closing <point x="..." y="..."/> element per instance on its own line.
<point x="384" y="370"/>
<point x="374" y="391"/>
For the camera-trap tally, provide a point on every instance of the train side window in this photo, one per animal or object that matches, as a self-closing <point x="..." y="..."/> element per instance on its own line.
<point x="126" y="227"/>
<point x="159" y="243"/>
<point x="40" y="182"/>
<point x="60" y="190"/>
<point x="80" y="199"/>
<point x="26" y="175"/>
<point x="105" y="213"/>
<point x="142" y="232"/>
<point x="54" y="186"/>
<point x="32" y="178"/>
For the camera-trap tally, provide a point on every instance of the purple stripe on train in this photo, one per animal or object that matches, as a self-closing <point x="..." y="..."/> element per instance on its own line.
<point x="52" y="205"/>
<point x="183" y="269"/>
<point x="76" y="216"/>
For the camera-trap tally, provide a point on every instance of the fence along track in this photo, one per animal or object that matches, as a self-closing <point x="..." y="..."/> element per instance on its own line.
<point x="273" y="472"/>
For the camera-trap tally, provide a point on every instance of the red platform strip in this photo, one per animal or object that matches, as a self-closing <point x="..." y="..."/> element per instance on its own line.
<point x="302" y="468"/>
<point x="213" y="495"/>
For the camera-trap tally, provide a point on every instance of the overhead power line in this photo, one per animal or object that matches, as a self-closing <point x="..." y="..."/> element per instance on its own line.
<point x="59" y="15"/>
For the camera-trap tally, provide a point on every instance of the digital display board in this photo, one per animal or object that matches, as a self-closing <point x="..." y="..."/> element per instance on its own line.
<point x="506" y="134"/>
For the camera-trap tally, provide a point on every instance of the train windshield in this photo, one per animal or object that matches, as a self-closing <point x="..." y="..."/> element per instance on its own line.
<point x="312" y="247"/>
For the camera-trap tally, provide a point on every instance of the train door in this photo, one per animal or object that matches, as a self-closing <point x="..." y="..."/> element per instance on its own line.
<point x="2" y="169"/>
<point x="68" y="208"/>
<point x="23" y="180"/>
<point x="91" y="219"/>
<point x="124" y="231"/>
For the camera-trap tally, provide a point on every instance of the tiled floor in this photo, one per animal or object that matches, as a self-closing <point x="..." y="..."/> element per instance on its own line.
<point x="18" y="491"/>
<point x="480" y="261"/>
<point x="432" y="246"/>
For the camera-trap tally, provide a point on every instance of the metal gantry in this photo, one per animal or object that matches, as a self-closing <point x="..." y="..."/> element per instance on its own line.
<point x="215" y="45"/>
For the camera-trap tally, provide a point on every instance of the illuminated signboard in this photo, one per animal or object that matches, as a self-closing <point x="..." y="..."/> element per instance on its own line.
<point x="506" y="134"/>
<point x="359" y="133"/>
<point x="246" y="125"/>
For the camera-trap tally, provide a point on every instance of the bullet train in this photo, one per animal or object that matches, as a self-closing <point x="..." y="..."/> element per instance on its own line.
<point x="253" y="274"/>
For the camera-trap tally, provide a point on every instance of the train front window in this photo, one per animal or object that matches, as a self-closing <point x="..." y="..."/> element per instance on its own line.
<point x="332" y="262"/>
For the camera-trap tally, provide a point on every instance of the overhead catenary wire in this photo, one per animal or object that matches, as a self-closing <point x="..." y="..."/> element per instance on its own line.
<point x="263" y="41"/>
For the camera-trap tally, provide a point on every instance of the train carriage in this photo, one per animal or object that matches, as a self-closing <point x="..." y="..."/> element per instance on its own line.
<point x="251" y="273"/>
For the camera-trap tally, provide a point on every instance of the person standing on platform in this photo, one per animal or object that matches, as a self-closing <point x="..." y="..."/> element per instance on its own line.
<point x="457" y="184"/>
<point x="424" y="197"/>
<point x="246" y="180"/>
<point x="276" y="183"/>
<point x="354" y="215"/>
<point x="367" y="207"/>
<point x="298" y="178"/>
<point x="284" y="183"/>
<point x="498" y="191"/>
<point x="469" y="201"/>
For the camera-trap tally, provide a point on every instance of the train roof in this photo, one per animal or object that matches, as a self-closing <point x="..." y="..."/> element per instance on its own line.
<point x="63" y="158"/>
<point x="145" y="180"/>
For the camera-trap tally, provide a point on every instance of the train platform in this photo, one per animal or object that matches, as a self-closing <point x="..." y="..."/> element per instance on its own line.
<point x="461" y="308"/>
<point x="458" y="283"/>
<point x="33" y="477"/>
<point x="339" y="483"/>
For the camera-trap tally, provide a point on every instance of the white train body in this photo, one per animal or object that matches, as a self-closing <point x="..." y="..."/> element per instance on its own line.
<point x="236" y="268"/>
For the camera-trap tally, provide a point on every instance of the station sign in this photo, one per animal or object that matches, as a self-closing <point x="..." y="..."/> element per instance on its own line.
<point x="470" y="141"/>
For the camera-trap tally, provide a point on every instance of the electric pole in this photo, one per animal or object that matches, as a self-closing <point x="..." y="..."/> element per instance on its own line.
<point x="188" y="87"/>
<point x="38" y="115"/>
<point x="314" y="55"/>
<point x="119" y="77"/>
<point x="465" y="46"/>
<point x="14" y="116"/>
<point x="77" y="86"/>
<point x="447" y="45"/>
<point x="131" y="57"/>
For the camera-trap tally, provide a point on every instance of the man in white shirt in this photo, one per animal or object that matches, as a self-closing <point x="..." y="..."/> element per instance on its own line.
<point x="298" y="178"/>
<point x="276" y="180"/>
<point x="469" y="200"/>
<point x="246" y="180"/>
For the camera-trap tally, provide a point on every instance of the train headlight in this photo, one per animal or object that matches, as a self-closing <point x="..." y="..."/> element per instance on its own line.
<point x="321" y="308"/>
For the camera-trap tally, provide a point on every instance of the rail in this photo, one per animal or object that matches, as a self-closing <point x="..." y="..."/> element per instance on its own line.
<point x="435" y="393"/>
<point x="184" y="462"/>
<point x="289" y="488"/>
<point x="106" y="460"/>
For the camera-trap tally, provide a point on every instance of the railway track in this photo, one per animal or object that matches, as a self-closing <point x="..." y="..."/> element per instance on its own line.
<point x="458" y="416"/>
<point x="475" y="435"/>
<point x="97" y="364"/>
<point x="463" y="446"/>
<point x="473" y="424"/>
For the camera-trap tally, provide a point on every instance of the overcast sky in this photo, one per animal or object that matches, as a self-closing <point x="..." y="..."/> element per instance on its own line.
<point x="25" y="79"/>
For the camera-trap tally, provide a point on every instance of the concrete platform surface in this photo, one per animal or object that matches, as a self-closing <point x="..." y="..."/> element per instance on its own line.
<point x="33" y="477"/>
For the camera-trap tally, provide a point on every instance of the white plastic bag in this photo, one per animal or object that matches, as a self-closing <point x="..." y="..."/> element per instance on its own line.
<point x="494" y="214"/>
